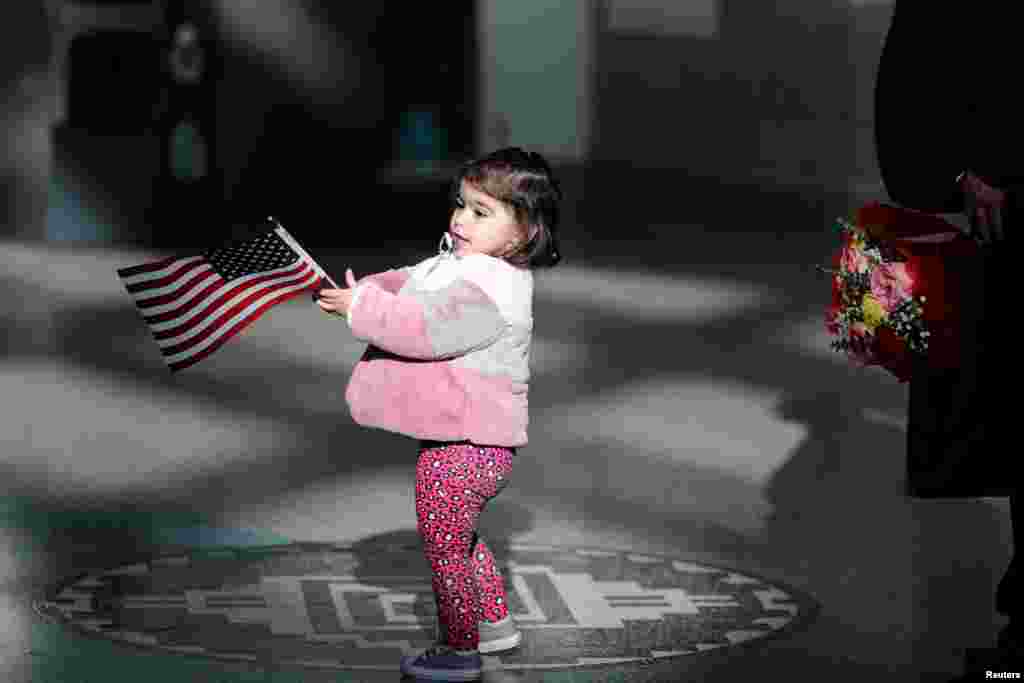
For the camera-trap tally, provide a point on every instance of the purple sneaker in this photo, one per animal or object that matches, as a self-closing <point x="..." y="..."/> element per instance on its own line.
<point x="442" y="663"/>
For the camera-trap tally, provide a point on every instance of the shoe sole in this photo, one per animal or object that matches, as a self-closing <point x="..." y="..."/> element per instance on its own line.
<point x="410" y="669"/>
<point x="500" y="644"/>
<point x="489" y="646"/>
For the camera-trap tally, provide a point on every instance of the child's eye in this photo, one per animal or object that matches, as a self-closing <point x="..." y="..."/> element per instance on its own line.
<point x="461" y="204"/>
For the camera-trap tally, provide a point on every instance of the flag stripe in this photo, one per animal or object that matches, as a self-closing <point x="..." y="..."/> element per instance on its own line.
<point x="172" y="293"/>
<point x="182" y="328"/>
<point x="224" y="316"/>
<point x="170" y="289"/>
<point x="183" y="361"/>
<point x="164" y="276"/>
<point x="131" y="271"/>
<point x="158" y="306"/>
<point x="184" y="316"/>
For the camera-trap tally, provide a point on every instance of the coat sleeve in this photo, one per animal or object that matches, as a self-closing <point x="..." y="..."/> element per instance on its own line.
<point x="388" y="280"/>
<point x="922" y="107"/>
<point x="437" y="325"/>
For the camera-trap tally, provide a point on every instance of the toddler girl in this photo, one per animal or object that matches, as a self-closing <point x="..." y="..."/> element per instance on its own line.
<point x="448" y="364"/>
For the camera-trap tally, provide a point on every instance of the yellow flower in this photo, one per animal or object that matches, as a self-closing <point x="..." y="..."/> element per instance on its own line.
<point x="873" y="312"/>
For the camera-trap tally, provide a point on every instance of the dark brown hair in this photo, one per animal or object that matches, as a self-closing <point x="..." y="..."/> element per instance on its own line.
<point x="524" y="181"/>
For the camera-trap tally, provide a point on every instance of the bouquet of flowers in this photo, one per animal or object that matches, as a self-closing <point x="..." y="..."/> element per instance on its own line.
<point x="896" y="289"/>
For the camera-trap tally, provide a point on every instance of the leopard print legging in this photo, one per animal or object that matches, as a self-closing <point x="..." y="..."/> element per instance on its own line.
<point x="453" y="483"/>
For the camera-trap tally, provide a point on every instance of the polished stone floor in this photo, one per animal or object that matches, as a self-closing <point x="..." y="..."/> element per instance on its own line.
<point x="709" y="493"/>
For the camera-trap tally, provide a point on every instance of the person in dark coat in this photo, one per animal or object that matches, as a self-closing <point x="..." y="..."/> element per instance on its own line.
<point x="949" y="139"/>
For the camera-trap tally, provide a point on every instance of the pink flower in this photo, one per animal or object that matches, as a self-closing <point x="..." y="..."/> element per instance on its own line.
<point x="890" y="284"/>
<point x="853" y="260"/>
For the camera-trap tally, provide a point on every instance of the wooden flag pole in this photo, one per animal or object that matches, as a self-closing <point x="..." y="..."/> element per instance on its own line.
<point x="302" y="252"/>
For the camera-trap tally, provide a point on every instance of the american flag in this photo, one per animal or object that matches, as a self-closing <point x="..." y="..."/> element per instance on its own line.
<point x="194" y="304"/>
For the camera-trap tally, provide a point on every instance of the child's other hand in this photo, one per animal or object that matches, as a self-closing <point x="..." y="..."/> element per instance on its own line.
<point x="338" y="301"/>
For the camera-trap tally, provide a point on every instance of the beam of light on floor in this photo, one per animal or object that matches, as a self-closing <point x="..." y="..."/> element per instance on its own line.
<point x="648" y="297"/>
<point x="711" y="424"/>
<point x="336" y="509"/>
<point x="809" y="337"/>
<point x="85" y="433"/>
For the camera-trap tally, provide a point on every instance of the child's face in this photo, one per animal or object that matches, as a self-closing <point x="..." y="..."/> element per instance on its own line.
<point x="481" y="224"/>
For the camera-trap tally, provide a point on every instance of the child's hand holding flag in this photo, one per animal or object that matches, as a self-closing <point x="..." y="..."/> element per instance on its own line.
<point x="338" y="301"/>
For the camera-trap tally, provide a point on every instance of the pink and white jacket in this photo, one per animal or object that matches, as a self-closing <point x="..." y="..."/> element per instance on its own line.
<point x="449" y="350"/>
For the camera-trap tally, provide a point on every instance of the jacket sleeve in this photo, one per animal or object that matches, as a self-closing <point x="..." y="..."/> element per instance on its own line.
<point x="921" y="107"/>
<point x="437" y="325"/>
<point x="388" y="280"/>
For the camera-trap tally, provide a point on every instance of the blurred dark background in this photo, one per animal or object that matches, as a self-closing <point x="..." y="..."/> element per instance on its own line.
<point x="175" y="123"/>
